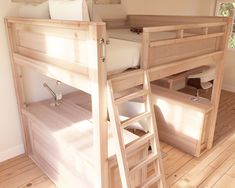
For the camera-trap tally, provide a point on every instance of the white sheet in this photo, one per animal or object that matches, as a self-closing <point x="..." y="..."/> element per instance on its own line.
<point x="122" y="55"/>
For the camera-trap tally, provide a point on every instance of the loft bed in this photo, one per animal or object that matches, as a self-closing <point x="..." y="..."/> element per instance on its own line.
<point x="74" y="53"/>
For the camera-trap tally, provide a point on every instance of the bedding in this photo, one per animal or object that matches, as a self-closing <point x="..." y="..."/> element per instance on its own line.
<point x="69" y="10"/>
<point x="122" y="55"/>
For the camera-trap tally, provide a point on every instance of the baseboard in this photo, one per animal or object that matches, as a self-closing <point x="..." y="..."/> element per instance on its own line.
<point x="229" y="88"/>
<point x="11" y="153"/>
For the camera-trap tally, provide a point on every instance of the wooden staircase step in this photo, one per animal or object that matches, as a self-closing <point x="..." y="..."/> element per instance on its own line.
<point x="139" y="142"/>
<point x="150" y="181"/>
<point x="135" y="119"/>
<point x="126" y="170"/>
<point x="131" y="96"/>
<point x="151" y="158"/>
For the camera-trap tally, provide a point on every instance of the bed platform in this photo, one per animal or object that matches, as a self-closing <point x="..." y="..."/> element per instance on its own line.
<point x="75" y="53"/>
<point x="62" y="143"/>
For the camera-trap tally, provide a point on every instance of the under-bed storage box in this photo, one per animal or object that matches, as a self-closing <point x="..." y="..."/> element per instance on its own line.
<point x="182" y="122"/>
<point x="62" y="144"/>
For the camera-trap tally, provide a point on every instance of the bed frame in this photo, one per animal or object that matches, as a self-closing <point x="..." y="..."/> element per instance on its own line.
<point x="74" y="53"/>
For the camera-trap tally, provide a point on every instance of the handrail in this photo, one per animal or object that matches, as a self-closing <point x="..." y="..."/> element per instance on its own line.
<point x="185" y="39"/>
<point x="185" y="26"/>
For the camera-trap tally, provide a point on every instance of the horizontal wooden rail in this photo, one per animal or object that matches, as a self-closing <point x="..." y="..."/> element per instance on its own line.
<point x="186" y="26"/>
<point x="169" y="69"/>
<point x="53" y="23"/>
<point x="79" y="81"/>
<point x="186" y="39"/>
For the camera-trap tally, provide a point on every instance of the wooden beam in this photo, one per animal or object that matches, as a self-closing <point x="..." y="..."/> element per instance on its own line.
<point x="98" y="78"/>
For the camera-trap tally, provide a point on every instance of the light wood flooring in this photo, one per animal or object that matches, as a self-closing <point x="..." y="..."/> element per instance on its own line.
<point x="215" y="168"/>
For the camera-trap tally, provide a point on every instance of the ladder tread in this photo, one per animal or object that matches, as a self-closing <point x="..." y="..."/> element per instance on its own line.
<point x="151" y="180"/>
<point x="139" y="142"/>
<point x="135" y="119"/>
<point x="115" y="85"/>
<point x="152" y="157"/>
<point x="131" y="96"/>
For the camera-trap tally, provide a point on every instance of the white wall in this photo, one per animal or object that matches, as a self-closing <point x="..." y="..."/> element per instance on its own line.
<point x="10" y="135"/>
<point x="169" y="7"/>
<point x="180" y="7"/>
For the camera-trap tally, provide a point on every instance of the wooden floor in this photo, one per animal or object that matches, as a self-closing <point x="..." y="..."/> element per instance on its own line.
<point x="215" y="168"/>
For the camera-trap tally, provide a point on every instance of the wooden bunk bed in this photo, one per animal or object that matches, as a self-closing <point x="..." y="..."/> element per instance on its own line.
<point x="74" y="53"/>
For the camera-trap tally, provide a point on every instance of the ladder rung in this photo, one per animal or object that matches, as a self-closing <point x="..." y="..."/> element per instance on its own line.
<point x="135" y="119"/>
<point x="131" y="96"/>
<point x="139" y="142"/>
<point x="152" y="157"/>
<point x="151" y="180"/>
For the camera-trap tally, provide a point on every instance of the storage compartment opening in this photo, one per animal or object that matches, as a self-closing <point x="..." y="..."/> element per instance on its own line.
<point x="197" y="82"/>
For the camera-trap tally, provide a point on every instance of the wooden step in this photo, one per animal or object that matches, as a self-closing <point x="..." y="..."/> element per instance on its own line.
<point x="126" y="170"/>
<point x="151" y="158"/>
<point x="131" y="96"/>
<point x="150" y="181"/>
<point x="139" y="142"/>
<point x="135" y="119"/>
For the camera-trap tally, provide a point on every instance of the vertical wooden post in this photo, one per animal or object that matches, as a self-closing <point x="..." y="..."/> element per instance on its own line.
<point x="145" y="51"/>
<point x="216" y="91"/>
<point x="98" y="77"/>
<point x="18" y="82"/>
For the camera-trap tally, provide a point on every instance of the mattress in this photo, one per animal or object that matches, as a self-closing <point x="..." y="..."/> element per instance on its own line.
<point x="124" y="48"/>
<point x="122" y="55"/>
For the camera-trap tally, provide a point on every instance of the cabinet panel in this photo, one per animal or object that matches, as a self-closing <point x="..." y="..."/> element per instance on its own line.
<point x="63" y="165"/>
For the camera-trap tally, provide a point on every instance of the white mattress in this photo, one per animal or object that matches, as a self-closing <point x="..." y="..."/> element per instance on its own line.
<point x="124" y="50"/>
<point x="122" y="55"/>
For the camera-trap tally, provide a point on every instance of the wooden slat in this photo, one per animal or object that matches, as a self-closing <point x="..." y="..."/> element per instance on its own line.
<point x="126" y="80"/>
<point x="135" y="119"/>
<point x="186" y="39"/>
<point x="53" y="23"/>
<point x="163" y="71"/>
<point x="151" y="180"/>
<point x="142" y="140"/>
<point x="151" y="158"/>
<point x="131" y="96"/>
<point x="76" y="80"/>
<point x="186" y="26"/>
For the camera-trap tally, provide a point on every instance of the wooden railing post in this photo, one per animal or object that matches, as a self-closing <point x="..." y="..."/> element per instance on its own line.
<point x="98" y="78"/>
<point x="216" y="91"/>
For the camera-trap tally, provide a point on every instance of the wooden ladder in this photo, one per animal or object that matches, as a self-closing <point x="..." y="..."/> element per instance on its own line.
<point x="117" y="85"/>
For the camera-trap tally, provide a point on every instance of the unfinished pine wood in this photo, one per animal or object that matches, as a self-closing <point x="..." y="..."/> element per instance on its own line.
<point x="181" y="121"/>
<point x="66" y="44"/>
<point x="118" y="126"/>
<point x="63" y="144"/>
<point x="214" y="168"/>
<point x="74" y="52"/>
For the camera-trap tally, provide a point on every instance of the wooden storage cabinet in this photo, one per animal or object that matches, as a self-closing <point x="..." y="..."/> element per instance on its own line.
<point x="66" y="159"/>
<point x="182" y="122"/>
